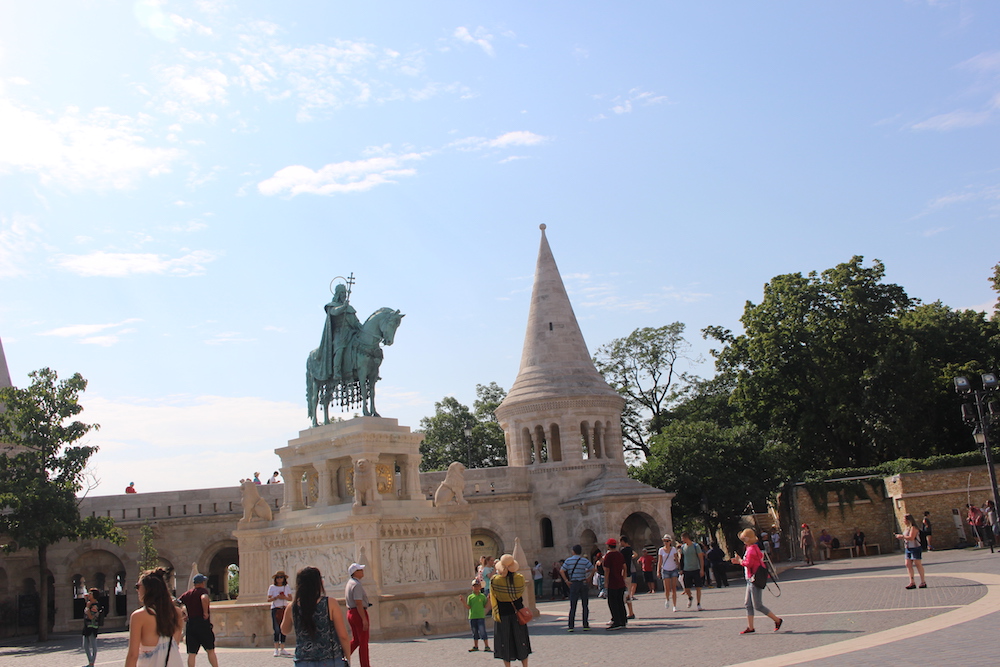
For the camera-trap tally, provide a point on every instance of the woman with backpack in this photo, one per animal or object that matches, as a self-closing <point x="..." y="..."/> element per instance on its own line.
<point x="752" y="561"/>
<point x="91" y="624"/>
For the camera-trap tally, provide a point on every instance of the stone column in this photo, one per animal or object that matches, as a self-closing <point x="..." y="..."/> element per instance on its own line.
<point x="411" y="475"/>
<point x="63" y="591"/>
<point x="536" y="445"/>
<point x="569" y="440"/>
<point x="293" y="488"/>
<point x="288" y="492"/>
<point x="325" y="486"/>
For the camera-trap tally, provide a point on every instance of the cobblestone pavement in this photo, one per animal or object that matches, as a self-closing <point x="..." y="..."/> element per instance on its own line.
<point x="852" y="610"/>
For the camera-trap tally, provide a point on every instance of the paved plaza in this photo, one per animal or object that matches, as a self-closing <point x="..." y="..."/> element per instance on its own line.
<point x="851" y="611"/>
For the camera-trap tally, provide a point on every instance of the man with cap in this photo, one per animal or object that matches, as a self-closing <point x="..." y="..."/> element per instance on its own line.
<point x="199" y="621"/>
<point x="576" y="572"/>
<point x="357" y="612"/>
<point x="615" y="573"/>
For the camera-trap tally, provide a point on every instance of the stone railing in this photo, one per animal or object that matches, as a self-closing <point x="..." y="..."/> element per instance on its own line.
<point x="177" y="504"/>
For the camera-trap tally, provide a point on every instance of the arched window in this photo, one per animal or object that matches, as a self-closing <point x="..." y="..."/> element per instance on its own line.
<point x="547" y="540"/>
<point x="555" y="446"/>
<point x="585" y="439"/>
<point x="598" y="440"/>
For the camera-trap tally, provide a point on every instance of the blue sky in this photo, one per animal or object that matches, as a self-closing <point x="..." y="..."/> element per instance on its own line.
<point x="180" y="181"/>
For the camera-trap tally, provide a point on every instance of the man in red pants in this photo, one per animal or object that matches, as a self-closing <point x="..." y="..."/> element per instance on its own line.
<point x="357" y="612"/>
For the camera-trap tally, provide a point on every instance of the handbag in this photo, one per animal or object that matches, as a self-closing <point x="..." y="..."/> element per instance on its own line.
<point x="760" y="576"/>
<point x="279" y="613"/>
<point x="524" y="615"/>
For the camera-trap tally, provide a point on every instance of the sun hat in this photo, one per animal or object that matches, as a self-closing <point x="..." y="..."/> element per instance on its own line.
<point x="507" y="564"/>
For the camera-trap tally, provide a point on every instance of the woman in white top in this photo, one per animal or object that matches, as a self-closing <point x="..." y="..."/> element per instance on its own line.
<point x="911" y="537"/>
<point x="154" y="629"/>
<point x="279" y="594"/>
<point x="667" y="561"/>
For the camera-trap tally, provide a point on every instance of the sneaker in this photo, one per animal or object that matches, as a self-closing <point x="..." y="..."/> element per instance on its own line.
<point x="473" y="649"/>
<point x="586" y="628"/>
<point x="911" y="587"/>
<point x="700" y="608"/>
<point x="675" y="609"/>
<point x="616" y="627"/>
<point x="630" y="617"/>
<point x="284" y="653"/>
<point x="922" y="586"/>
<point x="488" y="649"/>
<point x="777" y="624"/>
<point x="275" y="653"/>
<point x="748" y="631"/>
<point x="569" y="629"/>
<point x="690" y="600"/>
<point x="666" y="605"/>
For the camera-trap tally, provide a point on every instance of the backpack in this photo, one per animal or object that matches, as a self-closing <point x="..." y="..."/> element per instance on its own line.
<point x="835" y="543"/>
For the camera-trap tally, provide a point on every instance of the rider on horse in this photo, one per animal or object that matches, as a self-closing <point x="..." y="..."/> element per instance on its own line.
<point x="340" y="327"/>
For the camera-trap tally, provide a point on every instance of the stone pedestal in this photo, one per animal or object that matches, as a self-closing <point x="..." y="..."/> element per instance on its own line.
<point x="418" y="557"/>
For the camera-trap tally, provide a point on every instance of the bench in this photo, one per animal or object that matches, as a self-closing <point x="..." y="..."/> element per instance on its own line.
<point x="876" y="547"/>
<point x="849" y="550"/>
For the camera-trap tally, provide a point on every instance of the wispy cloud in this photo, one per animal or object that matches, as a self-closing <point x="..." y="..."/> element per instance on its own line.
<point x="594" y="292"/>
<point x="228" y="337"/>
<point x="507" y="140"/>
<point x="100" y="150"/>
<point x="19" y="236"/>
<point x="120" y="264"/>
<point x="86" y="332"/>
<point x="985" y="67"/>
<point x="480" y="37"/>
<point x="340" y="177"/>
<point x="635" y="98"/>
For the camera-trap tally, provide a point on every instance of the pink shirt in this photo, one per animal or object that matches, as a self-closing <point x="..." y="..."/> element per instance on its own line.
<point x="753" y="559"/>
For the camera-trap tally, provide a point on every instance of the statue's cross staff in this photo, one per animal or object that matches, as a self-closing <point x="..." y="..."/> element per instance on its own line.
<point x="349" y="281"/>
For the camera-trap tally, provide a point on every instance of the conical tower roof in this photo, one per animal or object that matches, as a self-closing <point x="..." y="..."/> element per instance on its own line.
<point x="555" y="361"/>
<point x="4" y="371"/>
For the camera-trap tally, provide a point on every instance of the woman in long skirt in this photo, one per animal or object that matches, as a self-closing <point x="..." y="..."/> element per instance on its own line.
<point x="510" y="638"/>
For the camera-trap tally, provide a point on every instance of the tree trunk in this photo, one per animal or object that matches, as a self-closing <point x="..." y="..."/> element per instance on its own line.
<point x="43" y="594"/>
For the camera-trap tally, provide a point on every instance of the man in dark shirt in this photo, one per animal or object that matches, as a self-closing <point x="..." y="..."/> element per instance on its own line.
<point x="199" y="621"/>
<point x="631" y="570"/>
<point x="614" y="571"/>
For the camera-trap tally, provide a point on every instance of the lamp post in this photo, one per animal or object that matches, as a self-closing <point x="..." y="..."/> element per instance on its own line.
<point x="468" y="446"/>
<point x="981" y="415"/>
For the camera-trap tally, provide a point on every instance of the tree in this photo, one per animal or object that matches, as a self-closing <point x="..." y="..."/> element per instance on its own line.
<point x="43" y="471"/>
<point x="715" y="472"/>
<point x="643" y="369"/>
<point x="149" y="558"/>
<point x="444" y="433"/>
<point x="843" y="370"/>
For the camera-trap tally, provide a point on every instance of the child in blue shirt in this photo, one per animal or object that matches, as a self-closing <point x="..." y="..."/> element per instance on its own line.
<point x="476" y="603"/>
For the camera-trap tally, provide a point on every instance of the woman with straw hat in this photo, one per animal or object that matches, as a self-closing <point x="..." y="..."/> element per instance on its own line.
<point x="752" y="561"/>
<point x="510" y="638"/>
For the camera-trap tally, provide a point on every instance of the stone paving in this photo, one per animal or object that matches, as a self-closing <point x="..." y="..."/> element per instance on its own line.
<point x="829" y="609"/>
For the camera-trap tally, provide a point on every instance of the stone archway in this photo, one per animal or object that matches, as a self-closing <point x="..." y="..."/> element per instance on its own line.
<point x="641" y="529"/>
<point x="486" y="543"/>
<point x="101" y="569"/>
<point x="219" y="557"/>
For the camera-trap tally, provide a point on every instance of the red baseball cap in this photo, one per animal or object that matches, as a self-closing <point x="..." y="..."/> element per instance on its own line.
<point x="612" y="542"/>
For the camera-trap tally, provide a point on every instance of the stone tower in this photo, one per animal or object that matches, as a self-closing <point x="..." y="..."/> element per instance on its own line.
<point x="560" y="409"/>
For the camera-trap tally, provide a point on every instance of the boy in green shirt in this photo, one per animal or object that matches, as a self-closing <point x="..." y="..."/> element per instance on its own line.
<point x="476" y="604"/>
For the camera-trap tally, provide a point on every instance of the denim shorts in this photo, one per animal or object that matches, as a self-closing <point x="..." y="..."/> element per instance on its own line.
<point x="913" y="553"/>
<point x="670" y="574"/>
<point x="333" y="662"/>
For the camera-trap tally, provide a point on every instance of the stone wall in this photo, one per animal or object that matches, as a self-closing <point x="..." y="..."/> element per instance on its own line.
<point x="873" y="516"/>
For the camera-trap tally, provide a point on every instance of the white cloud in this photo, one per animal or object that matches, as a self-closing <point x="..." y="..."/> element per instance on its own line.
<point x="986" y="67"/>
<point x="99" y="151"/>
<point x="518" y="138"/>
<point x="19" y="236"/>
<point x="118" y="265"/>
<point x="623" y="104"/>
<point x="339" y="177"/>
<point x="185" y="89"/>
<point x="81" y="330"/>
<point x="480" y="38"/>
<point x="228" y="337"/>
<point x="954" y="120"/>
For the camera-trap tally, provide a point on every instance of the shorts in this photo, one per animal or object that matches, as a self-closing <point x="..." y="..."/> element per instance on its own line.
<point x="637" y="577"/>
<point x="913" y="553"/>
<point x="669" y="574"/>
<point x="649" y="577"/>
<point x="478" y="626"/>
<point x="692" y="579"/>
<point x="200" y="635"/>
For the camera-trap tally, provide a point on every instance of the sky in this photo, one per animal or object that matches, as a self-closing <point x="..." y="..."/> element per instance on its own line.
<point x="180" y="182"/>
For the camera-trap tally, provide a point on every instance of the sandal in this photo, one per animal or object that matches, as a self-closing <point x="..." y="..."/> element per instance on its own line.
<point x="911" y="587"/>
<point x="924" y="585"/>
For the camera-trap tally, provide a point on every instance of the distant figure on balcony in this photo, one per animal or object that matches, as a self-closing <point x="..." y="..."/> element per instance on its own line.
<point x="130" y="488"/>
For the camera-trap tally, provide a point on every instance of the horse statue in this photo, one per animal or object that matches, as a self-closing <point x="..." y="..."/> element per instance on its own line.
<point x="362" y="359"/>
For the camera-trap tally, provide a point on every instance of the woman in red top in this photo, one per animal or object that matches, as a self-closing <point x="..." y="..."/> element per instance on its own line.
<point x="752" y="561"/>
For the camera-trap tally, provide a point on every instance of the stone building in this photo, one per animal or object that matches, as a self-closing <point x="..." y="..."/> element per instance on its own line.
<point x="566" y="482"/>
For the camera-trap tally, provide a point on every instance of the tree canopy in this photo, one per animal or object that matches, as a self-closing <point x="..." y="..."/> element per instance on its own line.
<point x="444" y="433"/>
<point x="841" y="369"/>
<point x="643" y="368"/>
<point x="42" y="472"/>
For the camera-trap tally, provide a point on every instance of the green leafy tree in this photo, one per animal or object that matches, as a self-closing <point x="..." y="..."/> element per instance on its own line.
<point x="715" y="472"/>
<point x="43" y="471"/>
<point x="234" y="581"/>
<point x="643" y="368"/>
<point x="844" y="370"/>
<point x="149" y="558"/>
<point x="444" y="433"/>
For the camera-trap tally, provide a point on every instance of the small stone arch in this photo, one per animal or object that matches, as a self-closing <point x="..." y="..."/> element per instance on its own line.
<point x="555" y="443"/>
<point x="641" y="528"/>
<point x="541" y="446"/>
<point x="588" y="540"/>
<point x="546" y="537"/>
<point x="486" y="542"/>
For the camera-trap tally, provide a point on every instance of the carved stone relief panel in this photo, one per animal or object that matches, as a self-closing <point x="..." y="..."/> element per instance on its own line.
<point x="331" y="561"/>
<point x="410" y="562"/>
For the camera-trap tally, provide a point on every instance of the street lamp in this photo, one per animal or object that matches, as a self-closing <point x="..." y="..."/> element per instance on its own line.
<point x="981" y="416"/>
<point x="468" y="445"/>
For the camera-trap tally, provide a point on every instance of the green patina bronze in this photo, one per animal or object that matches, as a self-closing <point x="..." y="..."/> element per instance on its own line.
<point x="344" y="368"/>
